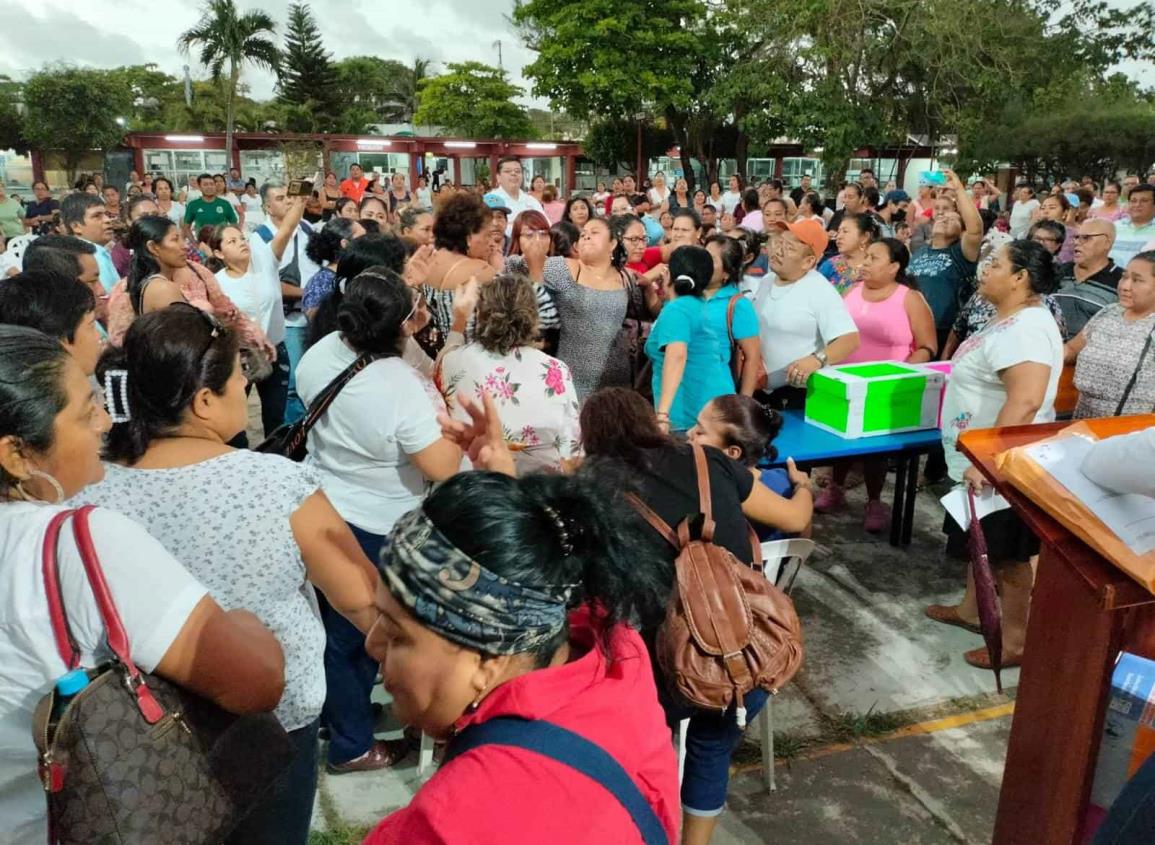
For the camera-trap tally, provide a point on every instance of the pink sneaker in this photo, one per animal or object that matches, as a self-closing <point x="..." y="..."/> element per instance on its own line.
<point x="877" y="517"/>
<point x="831" y="499"/>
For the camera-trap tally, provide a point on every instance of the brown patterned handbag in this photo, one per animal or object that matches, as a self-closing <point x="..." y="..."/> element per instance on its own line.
<point x="134" y="759"/>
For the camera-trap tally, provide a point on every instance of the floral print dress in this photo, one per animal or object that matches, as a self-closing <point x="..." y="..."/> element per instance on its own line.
<point x="534" y="394"/>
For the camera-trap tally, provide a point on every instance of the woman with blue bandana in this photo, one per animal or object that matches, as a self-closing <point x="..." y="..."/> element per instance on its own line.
<point x="503" y="629"/>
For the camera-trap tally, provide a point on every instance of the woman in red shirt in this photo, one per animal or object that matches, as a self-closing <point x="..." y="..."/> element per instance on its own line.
<point x="486" y="625"/>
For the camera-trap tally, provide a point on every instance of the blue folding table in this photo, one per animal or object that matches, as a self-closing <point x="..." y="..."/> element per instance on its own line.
<point x="812" y="446"/>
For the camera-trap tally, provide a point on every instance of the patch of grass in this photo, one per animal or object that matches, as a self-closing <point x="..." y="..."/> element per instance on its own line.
<point x="788" y="745"/>
<point x="847" y="727"/>
<point x="341" y="835"/>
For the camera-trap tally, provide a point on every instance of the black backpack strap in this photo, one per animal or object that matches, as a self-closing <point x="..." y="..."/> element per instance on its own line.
<point x="569" y="749"/>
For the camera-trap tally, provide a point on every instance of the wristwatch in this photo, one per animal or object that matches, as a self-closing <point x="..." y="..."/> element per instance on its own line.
<point x="821" y="356"/>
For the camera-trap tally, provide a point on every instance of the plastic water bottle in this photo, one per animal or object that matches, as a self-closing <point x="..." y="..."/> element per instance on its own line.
<point x="67" y="688"/>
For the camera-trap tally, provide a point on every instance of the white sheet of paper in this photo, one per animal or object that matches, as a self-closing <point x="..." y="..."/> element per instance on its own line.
<point x="1130" y="516"/>
<point x="986" y="503"/>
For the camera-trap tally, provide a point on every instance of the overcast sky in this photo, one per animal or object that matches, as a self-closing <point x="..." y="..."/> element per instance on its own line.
<point x="107" y="33"/>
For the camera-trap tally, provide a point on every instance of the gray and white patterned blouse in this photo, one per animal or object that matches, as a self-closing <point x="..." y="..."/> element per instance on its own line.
<point x="227" y="520"/>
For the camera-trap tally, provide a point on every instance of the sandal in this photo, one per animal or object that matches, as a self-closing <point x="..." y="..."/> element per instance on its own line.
<point x="383" y="754"/>
<point x="980" y="658"/>
<point x="948" y="615"/>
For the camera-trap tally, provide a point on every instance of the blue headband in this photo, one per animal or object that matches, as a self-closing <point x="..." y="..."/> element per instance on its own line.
<point x="458" y="598"/>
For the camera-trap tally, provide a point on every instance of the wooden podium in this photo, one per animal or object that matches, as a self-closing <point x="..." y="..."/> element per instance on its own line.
<point x="1083" y="612"/>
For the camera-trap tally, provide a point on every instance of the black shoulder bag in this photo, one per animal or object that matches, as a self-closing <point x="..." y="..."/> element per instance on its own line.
<point x="290" y="439"/>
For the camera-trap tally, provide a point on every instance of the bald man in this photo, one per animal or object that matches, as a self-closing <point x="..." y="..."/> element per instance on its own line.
<point x="1091" y="281"/>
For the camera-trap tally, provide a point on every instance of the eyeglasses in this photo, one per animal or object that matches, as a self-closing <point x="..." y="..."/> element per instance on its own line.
<point x="640" y="239"/>
<point x="1082" y="239"/>
<point x="418" y="304"/>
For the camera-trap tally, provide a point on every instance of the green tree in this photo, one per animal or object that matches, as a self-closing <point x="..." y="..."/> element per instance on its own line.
<point x="308" y="81"/>
<point x="618" y="59"/>
<point x="1080" y="125"/>
<point x="151" y="91"/>
<point x="613" y="143"/>
<point x="368" y="82"/>
<point x="475" y="100"/>
<point x="225" y="37"/>
<point x="11" y="120"/>
<point x="403" y="98"/>
<point x="73" y="110"/>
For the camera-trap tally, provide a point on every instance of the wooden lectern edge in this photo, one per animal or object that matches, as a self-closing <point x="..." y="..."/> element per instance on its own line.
<point x="1114" y="588"/>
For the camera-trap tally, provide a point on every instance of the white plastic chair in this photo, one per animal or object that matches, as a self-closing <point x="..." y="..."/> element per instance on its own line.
<point x="782" y="560"/>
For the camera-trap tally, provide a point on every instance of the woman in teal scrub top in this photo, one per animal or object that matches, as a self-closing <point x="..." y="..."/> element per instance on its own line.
<point x="690" y="360"/>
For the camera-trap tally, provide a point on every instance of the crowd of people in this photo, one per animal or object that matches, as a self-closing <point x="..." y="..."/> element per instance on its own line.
<point x="511" y="363"/>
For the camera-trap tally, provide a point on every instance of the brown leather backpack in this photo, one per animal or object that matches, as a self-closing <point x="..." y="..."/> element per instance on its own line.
<point x="728" y="630"/>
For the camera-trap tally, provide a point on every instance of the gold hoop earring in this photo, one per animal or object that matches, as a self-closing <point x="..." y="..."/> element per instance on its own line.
<point x="35" y="473"/>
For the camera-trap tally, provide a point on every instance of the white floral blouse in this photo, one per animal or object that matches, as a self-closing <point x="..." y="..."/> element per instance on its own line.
<point x="534" y="394"/>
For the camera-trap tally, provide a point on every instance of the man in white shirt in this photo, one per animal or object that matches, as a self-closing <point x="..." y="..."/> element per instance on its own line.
<point x="803" y="324"/>
<point x="296" y="269"/>
<point x="509" y="192"/>
<point x="1133" y="231"/>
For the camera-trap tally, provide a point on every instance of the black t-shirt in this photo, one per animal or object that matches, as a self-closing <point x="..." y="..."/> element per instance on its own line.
<point x="670" y="487"/>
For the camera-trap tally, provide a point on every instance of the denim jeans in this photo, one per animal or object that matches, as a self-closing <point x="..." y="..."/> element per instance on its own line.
<point x="295" y="338"/>
<point x="284" y="815"/>
<point x="349" y="674"/>
<point x="710" y="743"/>
<point x="273" y="391"/>
<point x="1131" y="820"/>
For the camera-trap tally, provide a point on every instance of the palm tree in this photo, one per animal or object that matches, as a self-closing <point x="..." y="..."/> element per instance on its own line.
<point x="225" y="36"/>
<point x="405" y="96"/>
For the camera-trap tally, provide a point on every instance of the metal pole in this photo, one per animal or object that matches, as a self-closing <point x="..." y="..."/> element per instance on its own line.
<point x="640" y="175"/>
<point x="187" y="87"/>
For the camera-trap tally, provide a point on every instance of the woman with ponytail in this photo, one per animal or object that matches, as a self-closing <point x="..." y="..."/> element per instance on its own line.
<point x="894" y="323"/>
<point x="744" y="429"/>
<point x="530" y="637"/>
<point x="691" y="362"/>
<point x="623" y="440"/>
<point x="255" y="529"/>
<point x="160" y="274"/>
<point x="158" y="252"/>
<point x="377" y="450"/>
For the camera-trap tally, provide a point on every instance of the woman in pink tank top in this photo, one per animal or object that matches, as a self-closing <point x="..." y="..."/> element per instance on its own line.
<point x="894" y="324"/>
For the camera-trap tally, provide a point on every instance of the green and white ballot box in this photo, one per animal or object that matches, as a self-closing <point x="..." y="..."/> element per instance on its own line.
<point x="883" y="397"/>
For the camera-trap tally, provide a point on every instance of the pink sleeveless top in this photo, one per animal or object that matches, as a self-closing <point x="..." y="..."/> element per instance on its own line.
<point x="883" y="327"/>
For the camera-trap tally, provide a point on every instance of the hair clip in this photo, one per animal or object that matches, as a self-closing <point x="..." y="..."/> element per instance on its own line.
<point x="686" y="278"/>
<point x="116" y="386"/>
<point x="562" y="532"/>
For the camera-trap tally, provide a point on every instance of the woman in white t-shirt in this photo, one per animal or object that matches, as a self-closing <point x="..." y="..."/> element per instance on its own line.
<point x="51" y="426"/>
<point x="255" y="528"/>
<point x="254" y="208"/>
<point x="248" y="271"/>
<point x="1023" y="210"/>
<point x="1006" y="374"/>
<point x="376" y="451"/>
<point x="733" y="196"/>
<point x="165" y="202"/>
<point x="659" y="194"/>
